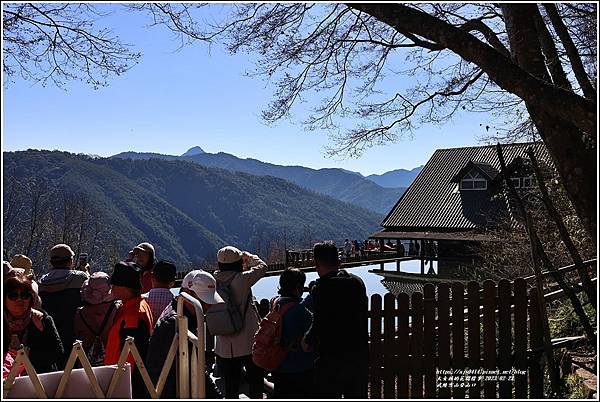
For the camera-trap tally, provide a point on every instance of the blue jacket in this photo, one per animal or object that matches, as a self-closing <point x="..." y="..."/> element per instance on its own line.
<point x="296" y="321"/>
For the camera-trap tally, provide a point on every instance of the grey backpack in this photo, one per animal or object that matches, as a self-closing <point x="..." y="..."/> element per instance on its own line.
<point x="226" y="318"/>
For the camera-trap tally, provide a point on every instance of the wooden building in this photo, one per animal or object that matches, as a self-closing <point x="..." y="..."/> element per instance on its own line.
<point x="455" y="201"/>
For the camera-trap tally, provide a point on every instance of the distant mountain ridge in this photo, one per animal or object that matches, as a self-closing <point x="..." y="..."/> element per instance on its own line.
<point x="186" y="210"/>
<point x="396" y="178"/>
<point x="338" y="183"/>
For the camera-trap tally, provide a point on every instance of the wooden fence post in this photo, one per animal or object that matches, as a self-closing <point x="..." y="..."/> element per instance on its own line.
<point x="416" y="346"/>
<point x="458" y="334"/>
<point x="375" y="352"/>
<point x="489" y="336"/>
<point x="474" y="336"/>
<point x="443" y="334"/>
<point x="403" y="359"/>
<point x="520" y="320"/>
<point x="429" y="340"/>
<point x="504" y="336"/>
<point x="536" y="371"/>
<point x="389" y="351"/>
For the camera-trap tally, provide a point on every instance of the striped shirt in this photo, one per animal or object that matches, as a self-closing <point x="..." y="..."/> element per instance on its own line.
<point x="158" y="299"/>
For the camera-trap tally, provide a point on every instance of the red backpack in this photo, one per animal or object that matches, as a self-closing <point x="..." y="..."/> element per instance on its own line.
<point x="267" y="351"/>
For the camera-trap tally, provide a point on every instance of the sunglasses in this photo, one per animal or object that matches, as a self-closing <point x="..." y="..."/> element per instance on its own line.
<point x="14" y="296"/>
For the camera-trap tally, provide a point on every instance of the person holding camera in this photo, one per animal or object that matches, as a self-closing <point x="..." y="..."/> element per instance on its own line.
<point x="144" y="255"/>
<point x="241" y="270"/>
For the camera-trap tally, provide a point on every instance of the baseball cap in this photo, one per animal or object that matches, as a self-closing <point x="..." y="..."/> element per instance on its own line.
<point x="147" y="247"/>
<point x="204" y="285"/>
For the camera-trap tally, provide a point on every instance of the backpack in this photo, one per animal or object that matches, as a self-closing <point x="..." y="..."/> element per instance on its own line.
<point x="267" y="351"/>
<point x="95" y="353"/>
<point x="226" y="318"/>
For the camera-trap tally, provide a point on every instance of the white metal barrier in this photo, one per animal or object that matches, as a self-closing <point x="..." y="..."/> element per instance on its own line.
<point x="190" y="374"/>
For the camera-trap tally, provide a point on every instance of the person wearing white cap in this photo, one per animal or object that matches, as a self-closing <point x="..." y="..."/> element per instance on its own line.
<point x="202" y="286"/>
<point x="242" y="270"/>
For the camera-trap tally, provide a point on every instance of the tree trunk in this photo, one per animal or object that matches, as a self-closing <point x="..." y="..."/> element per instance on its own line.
<point x="561" y="116"/>
<point x="575" y="160"/>
<point x="563" y="33"/>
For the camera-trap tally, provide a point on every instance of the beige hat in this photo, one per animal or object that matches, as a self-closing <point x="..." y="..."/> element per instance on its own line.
<point x="229" y="255"/>
<point x="147" y="247"/>
<point x="204" y="285"/>
<point x="61" y="252"/>
<point x="22" y="261"/>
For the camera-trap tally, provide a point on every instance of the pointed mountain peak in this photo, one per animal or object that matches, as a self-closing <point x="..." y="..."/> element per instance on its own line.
<point x="193" y="151"/>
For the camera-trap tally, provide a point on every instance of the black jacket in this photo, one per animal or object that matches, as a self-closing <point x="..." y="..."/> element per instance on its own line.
<point x="160" y="343"/>
<point x="60" y="291"/>
<point x="45" y="348"/>
<point x="340" y="317"/>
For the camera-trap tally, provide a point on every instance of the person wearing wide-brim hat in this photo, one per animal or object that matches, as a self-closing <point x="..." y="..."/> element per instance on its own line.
<point x="242" y="270"/>
<point x="134" y="318"/>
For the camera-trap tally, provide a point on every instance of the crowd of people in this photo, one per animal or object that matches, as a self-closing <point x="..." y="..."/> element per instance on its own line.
<point x="324" y="334"/>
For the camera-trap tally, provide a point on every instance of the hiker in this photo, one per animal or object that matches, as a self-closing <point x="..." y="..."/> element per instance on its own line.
<point x="134" y="318"/>
<point x="144" y="255"/>
<point x="339" y="332"/>
<point x="93" y="320"/>
<point x="31" y="327"/>
<point x="60" y="291"/>
<point x="202" y="286"/>
<point x="160" y="296"/>
<point x="294" y="378"/>
<point x="242" y="270"/>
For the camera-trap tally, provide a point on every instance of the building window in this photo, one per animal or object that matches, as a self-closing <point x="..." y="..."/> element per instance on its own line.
<point x="473" y="181"/>
<point x="527" y="182"/>
<point x="516" y="181"/>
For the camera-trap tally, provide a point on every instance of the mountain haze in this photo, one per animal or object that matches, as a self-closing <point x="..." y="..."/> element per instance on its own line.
<point x="186" y="210"/>
<point x="396" y="178"/>
<point x="340" y="184"/>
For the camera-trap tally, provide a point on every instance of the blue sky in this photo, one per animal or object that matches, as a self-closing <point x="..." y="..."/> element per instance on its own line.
<point x="172" y="101"/>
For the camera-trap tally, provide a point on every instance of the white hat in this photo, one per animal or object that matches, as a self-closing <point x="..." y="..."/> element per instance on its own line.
<point x="204" y="285"/>
<point x="228" y="255"/>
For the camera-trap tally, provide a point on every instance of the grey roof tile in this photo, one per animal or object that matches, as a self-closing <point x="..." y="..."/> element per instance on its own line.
<point x="434" y="202"/>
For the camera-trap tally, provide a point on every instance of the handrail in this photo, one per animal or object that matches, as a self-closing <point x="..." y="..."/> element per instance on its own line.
<point x="198" y="366"/>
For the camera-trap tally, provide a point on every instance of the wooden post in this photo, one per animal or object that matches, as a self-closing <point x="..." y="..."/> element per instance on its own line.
<point x="403" y="339"/>
<point x="429" y="340"/>
<point x="375" y="352"/>
<point x="520" y="343"/>
<point x="443" y="334"/>
<point x="458" y="334"/>
<point x="504" y="336"/>
<point x="536" y="335"/>
<point x="416" y="346"/>
<point x="389" y="334"/>
<point x="474" y="335"/>
<point x="489" y="336"/>
<point x="586" y="283"/>
<point x="397" y="265"/>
